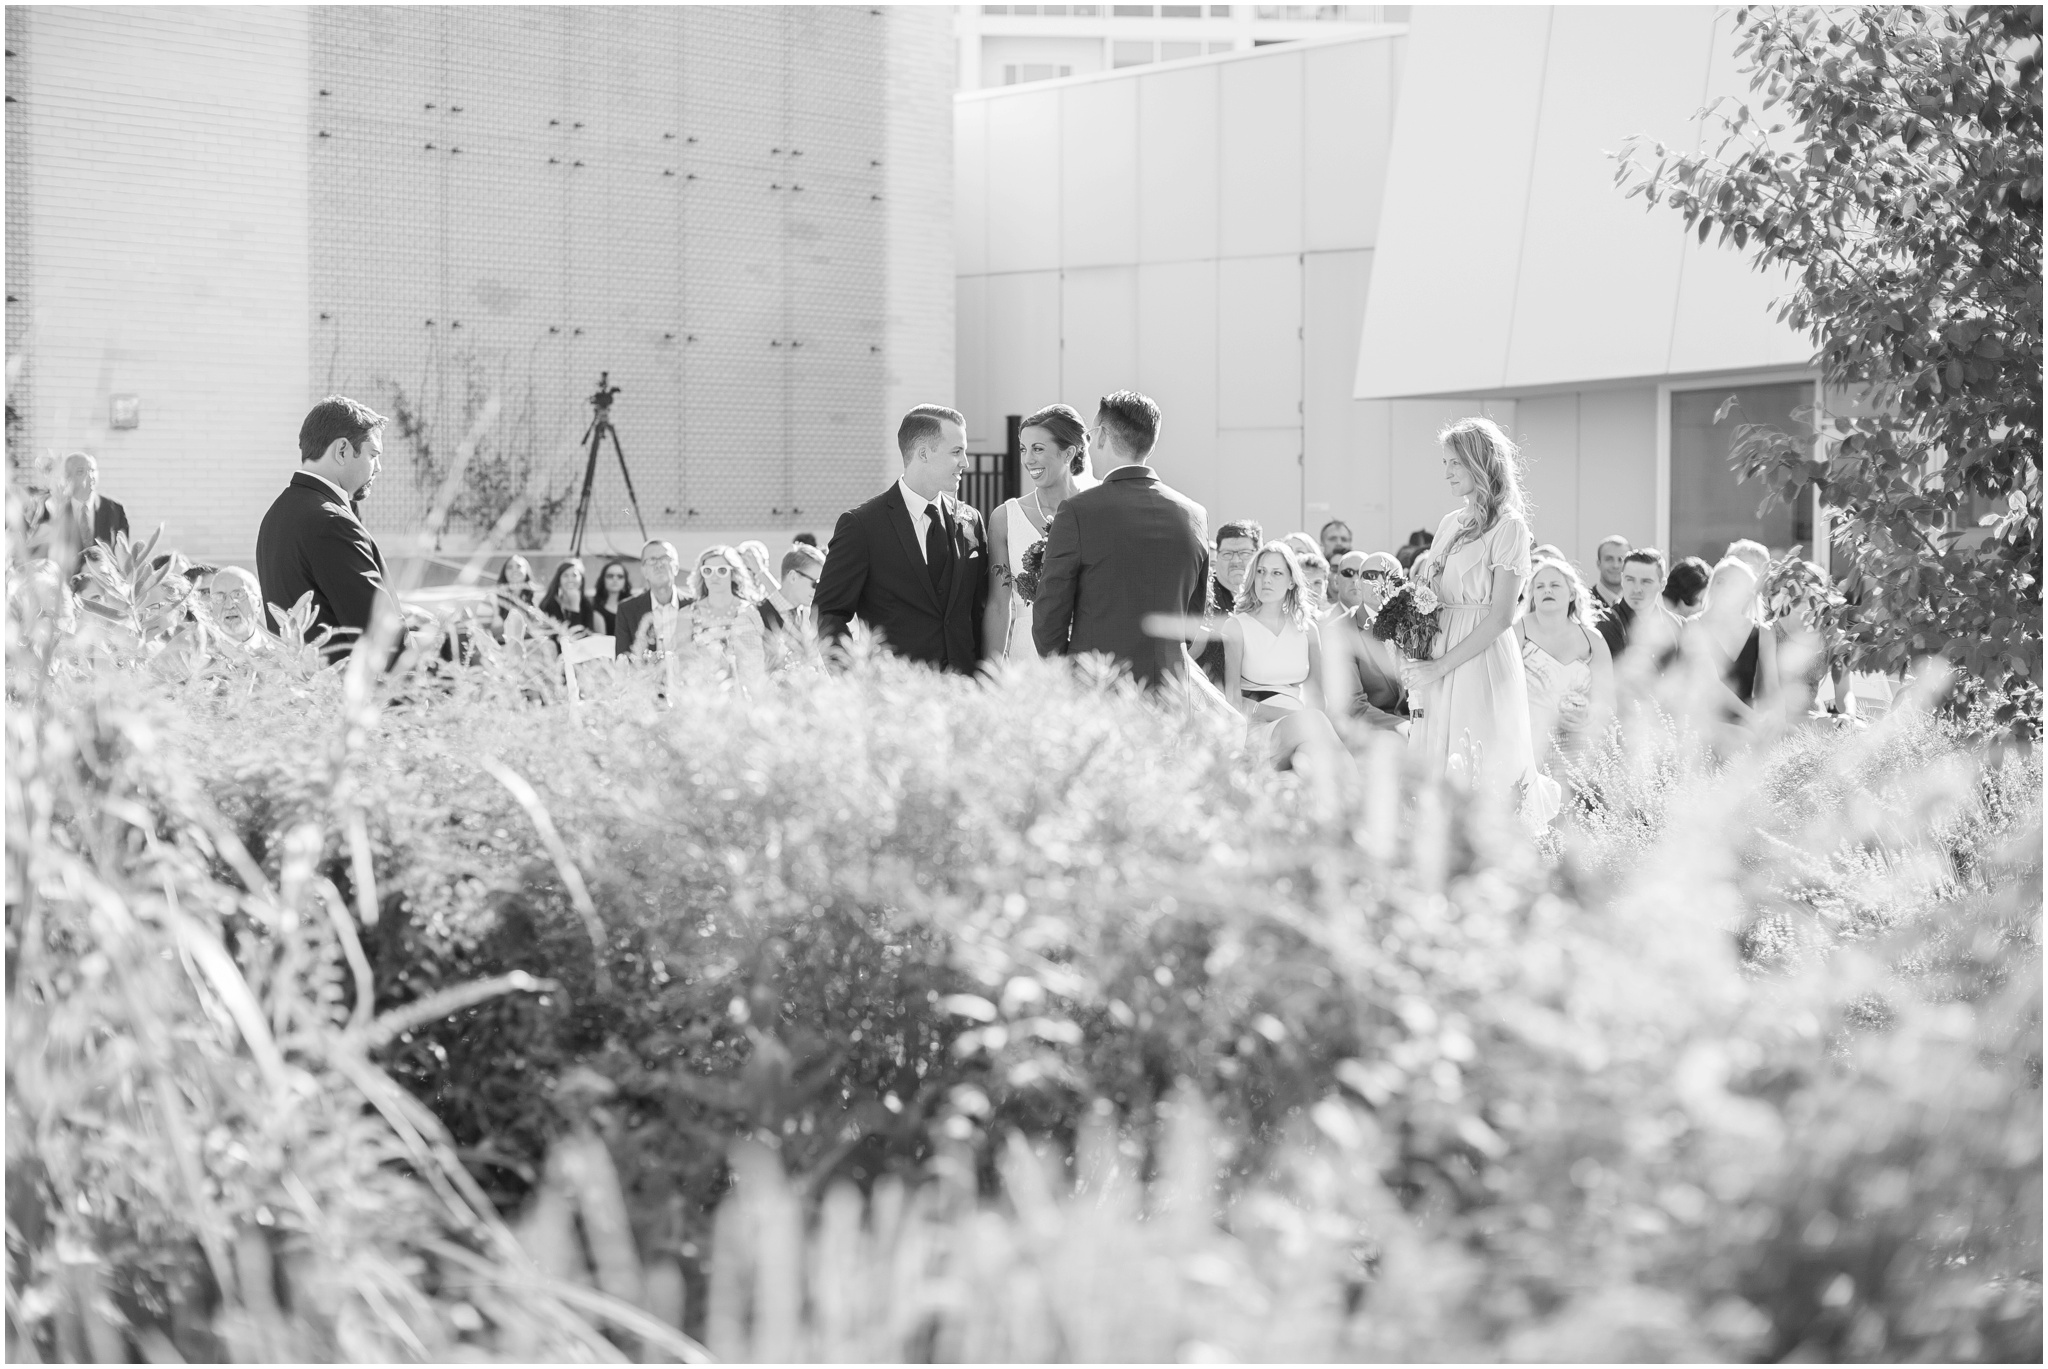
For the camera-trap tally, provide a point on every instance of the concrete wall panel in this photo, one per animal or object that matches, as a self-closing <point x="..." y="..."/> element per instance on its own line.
<point x="1023" y="339"/>
<point x="1344" y="440"/>
<point x="1547" y="430"/>
<point x="1176" y="328"/>
<point x="1262" y="149"/>
<point x="1098" y="193"/>
<point x="970" y="187"/>
<point x="1257" y="475"/>
<point x="970" y="386"/>
<point x="1177" y="164"/>
<point x="1346" y="133"/>
<point x="1023" y="181"/>
<point x="1098" y="334"/>
<point x="1617" y="467"/>
<point x="1258" y="333"/>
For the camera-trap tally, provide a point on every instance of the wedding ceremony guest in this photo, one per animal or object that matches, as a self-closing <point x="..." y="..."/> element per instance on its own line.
<point x="1565" y="662"/>
<point x="1473" y="698"/>
<point x="77" y="518"/>
<point x="1236" y="544"/>
<point x="759" y="572"/>
<point x="565" y="602"/>
<point x="1801" y="605"/>
<point x="722" y="620"/>
<point x="809" y="539"/>
<point x="1315" y="573"/>
<point x="1685" y="588"/>
<point x="1607" y="561"/>
<point x="1273" y="659"/>
<point x="1302" y="544"/>
<point x="614" y="587"/>
<point x="1417" y="543"/>
<point x="1053" y="447"/>
<point x="786" y="612"/>
<point x="1116" y="554"/>
<point x="1641" y="617"/>
<point x="311" y="539"/>
<point x="647" y="620"/>
<point x="912" y="563"/>
<point x="235" y="603"/>
<point x="1336" y="539"/>
<point x="1726" y="636"/>
<point x="1377" y="695"/>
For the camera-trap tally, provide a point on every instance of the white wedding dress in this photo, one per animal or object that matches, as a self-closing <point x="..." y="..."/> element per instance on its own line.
<point x="1022" y="535"/>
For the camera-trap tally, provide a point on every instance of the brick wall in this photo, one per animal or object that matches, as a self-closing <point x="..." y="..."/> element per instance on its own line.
<point x="156" y="244"/>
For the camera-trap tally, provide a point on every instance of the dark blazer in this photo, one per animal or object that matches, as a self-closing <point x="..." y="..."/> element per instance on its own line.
<point x="633" y="610"/>
<point x="1612" y="620"/>
<point x="312" y="540"/>
<point x="53" y="521"/>
<point x="1210" y="657"/>
<point x="875" y="571"/>
<point x="1130" y="547"/>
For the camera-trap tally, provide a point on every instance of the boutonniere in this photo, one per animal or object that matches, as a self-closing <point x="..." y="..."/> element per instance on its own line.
<point x="970" y="534"/>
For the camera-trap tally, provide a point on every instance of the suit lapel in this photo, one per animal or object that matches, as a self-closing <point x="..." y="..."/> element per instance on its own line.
<point x="906" y="532"/>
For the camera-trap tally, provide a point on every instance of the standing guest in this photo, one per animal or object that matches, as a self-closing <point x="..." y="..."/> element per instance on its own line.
<point x="235" y="603"/>
<point x="786" y="613"/>
<point x="1607" y="559"/>
<point x="1130" y="548"/>
<point x="1336" y="539"/>
<point x="1053" y="446"/>
<point x="1685" y="588"/>
<point x="1236" y="544"/>
<point x="1473" y="698"/>
<point x="1418" y="543"/>
<point x="809" y="539"/>
<point x="1377" y="695"/>
<point x="614" y="587"/>
<point x="1641" y="616"/>
<point x="1802" y="604"/>
<point x="1273" y="659"/>
<point x="1565" y="661"/>
<point x="565" y="602"/>
<point x="722" y="620"/>
<point x="516" y="585"/>
<point x="912" y="562"/>
<point x="1757" y="557"/>
<point x="73" y="522"/>
<point x="647" y="620"/>
<point x="1728" y="638"/>
<point x="311" y="539"/>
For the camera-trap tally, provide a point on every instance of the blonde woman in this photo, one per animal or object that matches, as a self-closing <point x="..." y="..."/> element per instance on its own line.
<point x="1273" y="659"/>
<point x="722" y="621"/>
<point x="1726" y="635"/>
<point x="1565" y="662"/>
<point x="1473" y="699"/>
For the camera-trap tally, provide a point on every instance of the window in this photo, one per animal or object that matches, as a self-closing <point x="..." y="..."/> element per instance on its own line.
<point x="1180" y="11"/>
<point x="1015" y="73"/>
<point x="1175" y="52"/>
<point x="1222" y="47"/>
<point x="1219" y="11"/>
<point x="995" y="9"/>
<point x="1710" y="506"/>
<point x="1052" y="11"/>
<point x="1087" y="11"/>
<point x="1132" y="11"/>
<point x="1128" y="54"/>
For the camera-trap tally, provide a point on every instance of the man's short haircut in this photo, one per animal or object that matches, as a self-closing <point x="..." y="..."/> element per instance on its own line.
<point x="240" y="577"/>
<point x="922" y="425"/>
<point x="802" y="557"/>
<point x="1247" y="528"/>
<point x="806" y="539"/>
<point x="668" y="547"/>
<point x="1133" y="418"/>
<point x="1612" y="539"/>
<point x="1324" y="530"/>
<point x="1645" y="556"/>
<point x="75" y="457"/>
<point x="336" y="416"/>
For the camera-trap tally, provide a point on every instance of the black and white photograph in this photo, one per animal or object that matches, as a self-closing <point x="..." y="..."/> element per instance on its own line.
<point x="1021" y="684"/>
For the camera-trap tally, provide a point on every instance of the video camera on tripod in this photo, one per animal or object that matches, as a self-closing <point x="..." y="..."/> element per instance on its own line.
<point x="600" y="428"/>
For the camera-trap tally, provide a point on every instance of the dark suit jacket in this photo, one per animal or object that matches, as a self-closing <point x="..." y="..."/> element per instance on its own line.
<point x="875" y="571"/>
<point x="1613" y="623"/>
<point x="53" y="522"/>
<point x="311" y="540"/>
<point x="633" y="610"/>
<point x="1130" y="547"/>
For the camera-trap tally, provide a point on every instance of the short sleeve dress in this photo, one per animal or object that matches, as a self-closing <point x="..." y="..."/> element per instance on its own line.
<point x="1476" y="719"/>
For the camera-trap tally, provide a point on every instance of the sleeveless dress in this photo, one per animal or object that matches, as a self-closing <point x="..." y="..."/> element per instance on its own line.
<point x="1476" y="719"/>
<point x="1021" y="535"/>
<point x="1550" y="683"/>
<point x="1274" y="665"/>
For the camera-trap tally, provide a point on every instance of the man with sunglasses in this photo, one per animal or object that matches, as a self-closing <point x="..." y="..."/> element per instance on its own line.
<point x="1363" y="581"/>
<point x="786" y="612"/>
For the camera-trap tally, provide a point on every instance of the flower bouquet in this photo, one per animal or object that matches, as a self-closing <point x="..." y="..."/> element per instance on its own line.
<point x="1409" y="620"/>
<point x="1033" y="566"/>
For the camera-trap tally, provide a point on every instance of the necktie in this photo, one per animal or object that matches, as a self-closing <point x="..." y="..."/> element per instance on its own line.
<point x="934" y="543"/>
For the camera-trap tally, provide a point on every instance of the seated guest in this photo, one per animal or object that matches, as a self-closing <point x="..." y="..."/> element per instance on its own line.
<point x="1565" y="661"/>
<point x="1378" y="698"/>
<point x="565" y="602"/>
<point x="1418" y="542"/>
<point x="762" y="574"/>
<point x="1316" y="571"/>
<point x="648" y="620"/>
<point x="786" y="612"/>
<point x="1236" y="544"/>
<point x="1336" y="539"/>
<point x="1802" y="606"/>
<point x="516" y="589"/>
<point x="1273" y="660"/>
<point x="1685" y="589"/>
<point x="1728" y="638"/>
<point x="808" y="539"/>
<point x="1641" y="619"/>
<point x="721" y="620"/>
<point x="235" y="604"/>
<point x="1607" y="558"/>
<point x="614" y="587"/>
<point x="1303" y="544"/>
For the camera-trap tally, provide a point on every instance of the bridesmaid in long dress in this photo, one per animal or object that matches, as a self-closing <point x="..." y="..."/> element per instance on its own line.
<point x="1473" y="698"/>
<point x="1054" y="449"/>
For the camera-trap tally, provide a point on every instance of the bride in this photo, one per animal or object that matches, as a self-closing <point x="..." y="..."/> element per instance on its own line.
<point x="1054" y="447"/>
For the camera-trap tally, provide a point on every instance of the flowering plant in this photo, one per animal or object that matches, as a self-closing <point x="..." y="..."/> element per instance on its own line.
<point x="1409" y="620"/>
<point x="1033" y="566"/>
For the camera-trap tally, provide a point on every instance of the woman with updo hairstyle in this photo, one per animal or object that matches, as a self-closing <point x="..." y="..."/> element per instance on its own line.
<point x="1053" y="446"/>
<point x="1473" y="699"/>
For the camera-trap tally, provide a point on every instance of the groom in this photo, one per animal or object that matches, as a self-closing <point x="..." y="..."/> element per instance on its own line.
<point x="912" y="562"/>
<point x="1118" y="553"/>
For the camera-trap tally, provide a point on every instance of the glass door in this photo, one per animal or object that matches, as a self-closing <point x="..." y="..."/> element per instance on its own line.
<point x="1710" y="505"/>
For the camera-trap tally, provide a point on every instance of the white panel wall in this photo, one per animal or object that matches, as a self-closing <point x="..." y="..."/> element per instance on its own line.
<point x="1177" y="367"/>
<point x="1547" y="429"/>
<point x="1257" y="475"/>
<point x="1175" y="159"/>
<point x="1262" y="155"/>
<point x="1098" y="196"/>
<point x="1343" y="439"/>
<point x="1099" y="330"/>
<point x="1346" y="131"/>
<point x="1258" y="342"/>
<point x="1023" y="177"/>
<point x="1617" y="466"/>
<point x="1022" y="335"/>
<point x="970" y="189"/>
<point x="970" y="385"/>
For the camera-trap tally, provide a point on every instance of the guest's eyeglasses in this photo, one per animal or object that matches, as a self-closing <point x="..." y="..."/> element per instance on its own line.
<point x="718" y="568"/>
<point x="1379" y="575"/>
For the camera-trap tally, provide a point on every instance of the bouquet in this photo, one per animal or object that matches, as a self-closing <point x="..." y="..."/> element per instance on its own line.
<point x="1033" y="566"/>
<point x="1409" y="620"/>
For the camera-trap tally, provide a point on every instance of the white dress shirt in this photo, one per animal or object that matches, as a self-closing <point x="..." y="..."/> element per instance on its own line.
<point x="923" y="513"/>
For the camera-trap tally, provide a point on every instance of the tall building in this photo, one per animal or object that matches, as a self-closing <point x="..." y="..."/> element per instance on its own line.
<point x="1007" y="45"/>
<point x="461" y="216"/>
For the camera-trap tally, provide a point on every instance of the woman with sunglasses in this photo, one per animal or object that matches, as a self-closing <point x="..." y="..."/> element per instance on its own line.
<point x="614" y="587"/>
<point x="723" y="623"/>
<point x="1364" y="672"/>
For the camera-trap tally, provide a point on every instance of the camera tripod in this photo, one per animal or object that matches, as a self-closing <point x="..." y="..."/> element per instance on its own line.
<point x="600" y="428"/>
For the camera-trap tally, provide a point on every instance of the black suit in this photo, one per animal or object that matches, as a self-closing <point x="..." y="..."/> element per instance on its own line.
<point x="1613" y="621"/>
<point x="633" y="611"/>
<point x="1130" y="547"/>
<point x="67" y="539"/>
<point x="312" y="540"/>
<point x="876" y="571"/>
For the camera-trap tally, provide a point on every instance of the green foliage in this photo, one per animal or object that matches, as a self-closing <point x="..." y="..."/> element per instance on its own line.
<point x="494" y="473"/>
<point x="1893" y="166"/>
